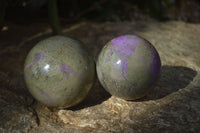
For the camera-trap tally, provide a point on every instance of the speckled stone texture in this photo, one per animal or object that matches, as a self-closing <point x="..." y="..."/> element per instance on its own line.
<point x="128" y="67"/>
<point x="172" y="106"/>
<point x="59" y="72"/>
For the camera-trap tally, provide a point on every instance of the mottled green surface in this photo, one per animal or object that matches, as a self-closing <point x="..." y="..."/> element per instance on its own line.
<point x="128" y="66"/>
<point x="59" y="72"/>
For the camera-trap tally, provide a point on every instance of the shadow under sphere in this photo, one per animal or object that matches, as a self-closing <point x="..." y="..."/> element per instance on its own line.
<point x="172" y="79"/>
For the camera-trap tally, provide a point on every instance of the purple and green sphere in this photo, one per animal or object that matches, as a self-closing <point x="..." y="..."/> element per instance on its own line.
<point x="128" y="67"/>
<point x="59" y="72"/>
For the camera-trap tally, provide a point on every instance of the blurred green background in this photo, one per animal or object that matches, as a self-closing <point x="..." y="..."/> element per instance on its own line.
<point x="70" y="11"/>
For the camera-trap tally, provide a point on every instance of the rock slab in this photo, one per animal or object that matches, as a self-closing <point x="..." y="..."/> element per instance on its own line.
<point x="172" y="106"/>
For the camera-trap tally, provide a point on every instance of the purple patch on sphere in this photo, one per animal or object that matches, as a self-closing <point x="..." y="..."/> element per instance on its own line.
<point x="68" y="70"/>
<point x="125" y="45"/>
<point x="38" y="56"/>
<point x="124" y="65"/>
<point x="156" y="63"/>
<point x="29" y="65"/>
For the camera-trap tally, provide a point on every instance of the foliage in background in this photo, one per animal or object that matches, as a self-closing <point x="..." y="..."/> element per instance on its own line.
<point x="104" y="10"/>
<point x="53" y="17"/>
<point x="2" y="12"/>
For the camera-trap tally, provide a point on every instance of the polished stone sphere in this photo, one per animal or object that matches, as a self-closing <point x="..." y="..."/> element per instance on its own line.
<point x="59" y="72"/>
<point x="128" y="67"/>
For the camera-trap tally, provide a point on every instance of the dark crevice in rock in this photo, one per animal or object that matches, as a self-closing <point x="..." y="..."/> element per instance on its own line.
<point x="34" y="111"/>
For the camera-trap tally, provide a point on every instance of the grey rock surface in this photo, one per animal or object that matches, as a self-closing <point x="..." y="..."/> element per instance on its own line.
<point x="172" y="106"/>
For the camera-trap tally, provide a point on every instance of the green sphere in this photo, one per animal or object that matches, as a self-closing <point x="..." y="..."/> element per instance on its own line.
<point x="59" y="72"/>
<point x="128" y="67"/>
